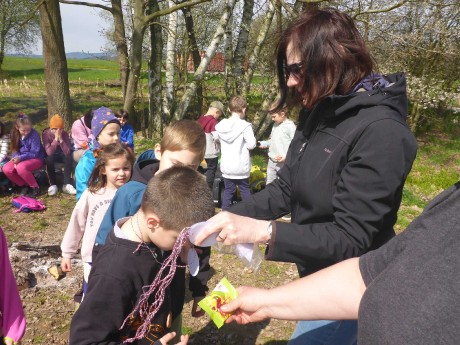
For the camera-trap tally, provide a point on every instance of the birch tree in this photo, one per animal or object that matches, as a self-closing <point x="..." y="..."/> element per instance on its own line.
<point x="241" y="46"/>
<point x="170" y="62"/>
<point x="199" y="73"/>
<point x="155" y="118"/>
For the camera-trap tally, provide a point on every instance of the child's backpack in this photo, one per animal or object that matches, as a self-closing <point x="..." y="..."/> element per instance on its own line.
<point x="27" y="204"/>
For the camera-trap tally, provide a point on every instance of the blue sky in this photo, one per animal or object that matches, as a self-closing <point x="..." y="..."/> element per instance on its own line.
<point x="81" y="26"/>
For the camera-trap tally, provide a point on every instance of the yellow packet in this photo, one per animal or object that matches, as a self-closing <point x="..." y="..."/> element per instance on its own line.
<point x="223" y="293"/>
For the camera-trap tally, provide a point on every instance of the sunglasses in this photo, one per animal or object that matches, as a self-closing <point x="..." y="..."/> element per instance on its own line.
<point x="295" y="69"/>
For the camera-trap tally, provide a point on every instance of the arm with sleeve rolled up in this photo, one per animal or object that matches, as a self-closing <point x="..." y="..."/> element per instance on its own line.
<point x="315" y="297"/>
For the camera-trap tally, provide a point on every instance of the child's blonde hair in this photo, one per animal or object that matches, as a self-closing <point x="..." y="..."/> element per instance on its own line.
<point x="98" y="179"/>
<point x="184" y="135"/>
<point x="21" y="120"/>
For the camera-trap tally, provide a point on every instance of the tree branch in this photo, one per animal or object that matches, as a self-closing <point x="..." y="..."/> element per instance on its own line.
<point x="169" y="10"/>
<point x="89" y="4"/>
<point x="32" y="14"/>
<point x="383" y="10"/>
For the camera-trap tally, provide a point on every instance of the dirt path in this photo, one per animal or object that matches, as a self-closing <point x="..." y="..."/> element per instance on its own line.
<point x="34" y="240"/>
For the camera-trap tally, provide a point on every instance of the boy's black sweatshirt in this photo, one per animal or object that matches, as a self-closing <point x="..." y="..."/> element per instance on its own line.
<point x="118" y="275"/>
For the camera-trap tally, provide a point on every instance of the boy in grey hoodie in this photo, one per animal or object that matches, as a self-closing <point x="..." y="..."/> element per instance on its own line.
<point x="236" y="139"/>
<point x="283" y="131"/>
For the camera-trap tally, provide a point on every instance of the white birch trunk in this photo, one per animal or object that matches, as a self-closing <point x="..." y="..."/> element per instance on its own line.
<point x="170" y="62"/>
<point x="199" y="73"/>
<point x="254" y="57"/>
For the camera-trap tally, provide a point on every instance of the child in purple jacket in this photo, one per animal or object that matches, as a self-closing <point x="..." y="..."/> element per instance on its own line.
<point x="28" y="155"/>
<point x="12" y="319"/>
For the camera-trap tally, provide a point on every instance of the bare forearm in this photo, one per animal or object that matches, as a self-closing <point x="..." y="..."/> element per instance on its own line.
<point x="333" y="293"/>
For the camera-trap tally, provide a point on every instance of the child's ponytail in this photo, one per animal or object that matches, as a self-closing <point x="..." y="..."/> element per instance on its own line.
<point x="22" y="119"/>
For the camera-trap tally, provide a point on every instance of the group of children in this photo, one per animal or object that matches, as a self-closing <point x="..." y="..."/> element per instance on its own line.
<point x="132" y="218"/>
<point x="233" y="138"/>
<point x="24" y="152"/>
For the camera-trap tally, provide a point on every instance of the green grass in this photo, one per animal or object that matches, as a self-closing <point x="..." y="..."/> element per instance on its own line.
<point x="87" y="70"/>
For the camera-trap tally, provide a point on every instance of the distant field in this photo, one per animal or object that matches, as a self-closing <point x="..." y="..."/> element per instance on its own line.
<point x="33" y="68"/>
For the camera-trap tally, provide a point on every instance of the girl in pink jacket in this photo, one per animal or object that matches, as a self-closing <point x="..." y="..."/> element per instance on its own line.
<point x="12" y="319"/>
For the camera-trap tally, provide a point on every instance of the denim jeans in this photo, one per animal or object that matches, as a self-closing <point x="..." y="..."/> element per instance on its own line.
<point x="325" y="332"/>
<point x="211" y="171"/>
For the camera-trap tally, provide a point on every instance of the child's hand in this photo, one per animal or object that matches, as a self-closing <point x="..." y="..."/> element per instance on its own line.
<point x="16" y="160"/>
<point x="195" y="311"/>
<point x="263" y="144"/>
<point x="170" y="336"/>
<point x="280" y="159"/>
<point x="66" y="265"/>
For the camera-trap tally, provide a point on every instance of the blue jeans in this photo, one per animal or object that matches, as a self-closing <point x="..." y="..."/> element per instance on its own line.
<point x="324" y="332"/>
<point x="230" y="190"/>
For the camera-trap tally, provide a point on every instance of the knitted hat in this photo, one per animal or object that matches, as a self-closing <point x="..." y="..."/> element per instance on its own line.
<point x="57" y="121"/>
<point x="217" y="105"/>
<point x="101" y="118"/>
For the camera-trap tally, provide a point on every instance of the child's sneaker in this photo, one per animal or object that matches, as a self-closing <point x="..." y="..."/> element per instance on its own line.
<point x="69" y="189"/>
<point x="34" y="192"/>
<point x="23" y="190"/>
<point x="52" y="190"/>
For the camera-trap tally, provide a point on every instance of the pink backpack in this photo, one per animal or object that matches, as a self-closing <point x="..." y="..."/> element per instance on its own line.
<point x="27" y="204"/>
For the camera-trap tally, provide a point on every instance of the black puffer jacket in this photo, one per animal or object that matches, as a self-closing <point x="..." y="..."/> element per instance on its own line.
<point x="342" y="181"/>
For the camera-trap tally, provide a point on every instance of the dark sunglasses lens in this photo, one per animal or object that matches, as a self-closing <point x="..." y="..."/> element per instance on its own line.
<point x="295" y="69"/>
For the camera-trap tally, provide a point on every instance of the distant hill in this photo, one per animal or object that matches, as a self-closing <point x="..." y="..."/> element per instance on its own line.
<point x="82" y="56"/>
<point x="73" y="55"/>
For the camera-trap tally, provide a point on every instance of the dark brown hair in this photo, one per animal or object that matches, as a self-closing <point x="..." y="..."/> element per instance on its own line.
<point x="21" y="120"/>
<point x="184" y="135"/>
<point x="237" y="104"/>
<point x="122" y="114"/>
<point x="2" y="129"/>
<point x="98" y="179"/>
<point x="179" y="196"/>
<point x="333" y="54"/>
<point x="87" y="117"/>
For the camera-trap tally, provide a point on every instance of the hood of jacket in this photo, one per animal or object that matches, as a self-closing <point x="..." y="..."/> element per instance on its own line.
<point x="231" y="128"/>
<point x="144" y="170"/>
<point x="391" y="94"/>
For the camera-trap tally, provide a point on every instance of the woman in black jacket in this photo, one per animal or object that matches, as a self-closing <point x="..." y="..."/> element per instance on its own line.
<point x="346" y="167"/>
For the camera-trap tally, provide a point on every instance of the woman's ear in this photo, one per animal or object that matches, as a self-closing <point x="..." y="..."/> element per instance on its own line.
<point x="157" y="150"/>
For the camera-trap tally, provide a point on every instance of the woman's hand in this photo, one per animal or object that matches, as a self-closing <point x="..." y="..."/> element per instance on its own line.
<point x="247" y="307"/>
<point x="234" y="229"/>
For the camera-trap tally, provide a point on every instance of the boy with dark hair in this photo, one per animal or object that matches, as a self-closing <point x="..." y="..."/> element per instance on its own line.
<point x="132" y="257"/>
